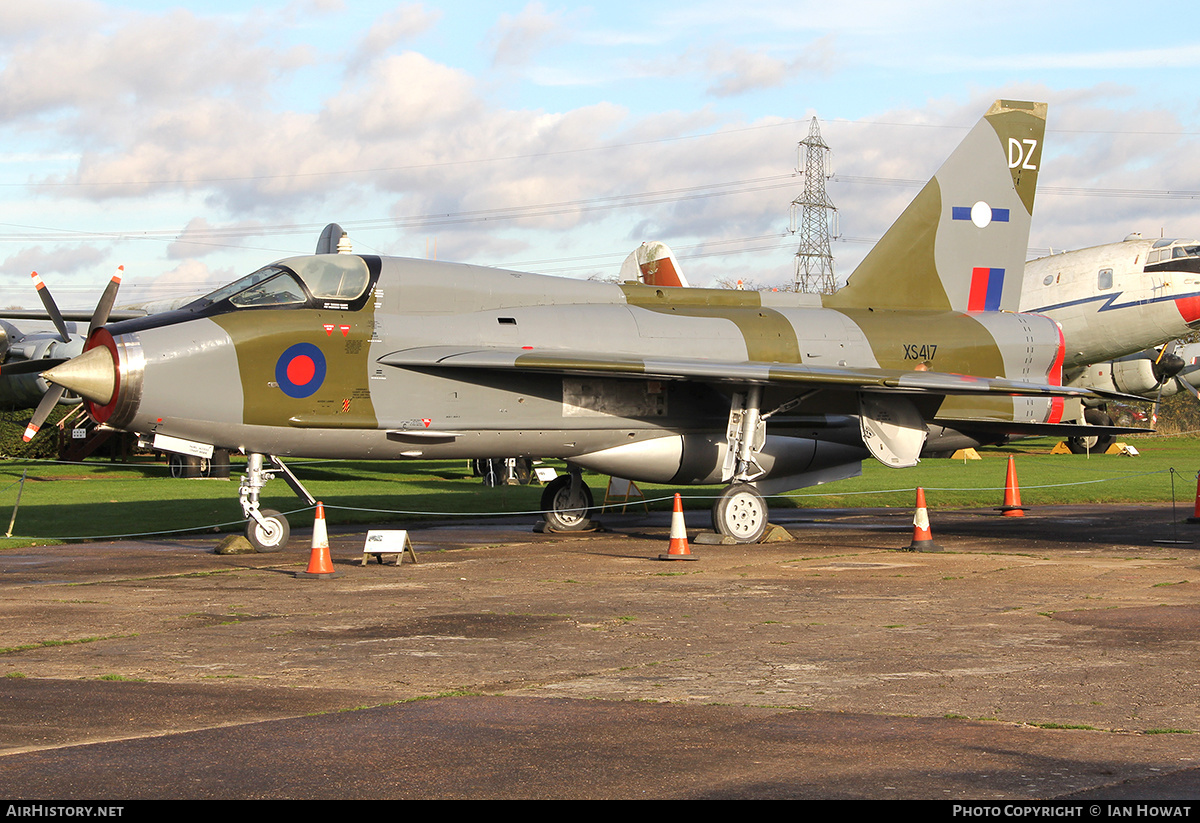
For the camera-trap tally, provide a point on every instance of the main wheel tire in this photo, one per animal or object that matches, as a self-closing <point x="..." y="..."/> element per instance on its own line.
<point x="563" y="512"/>
<point x="269" y="538"/>
<point x="1094" y="445"/>
<point x="741" y="513"/>
<point x="185" y="466"/>
<point x="219" y="464"/>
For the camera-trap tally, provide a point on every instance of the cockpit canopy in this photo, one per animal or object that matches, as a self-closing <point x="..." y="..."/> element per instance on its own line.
<point x="1170" y="248"/>
<point x="319" y="280"/>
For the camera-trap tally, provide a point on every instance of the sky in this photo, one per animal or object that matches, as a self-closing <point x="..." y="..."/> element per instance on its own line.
<point x="194" y="142"/>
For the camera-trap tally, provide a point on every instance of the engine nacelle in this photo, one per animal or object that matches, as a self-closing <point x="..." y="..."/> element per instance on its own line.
<point x="1134" y="374"/>
<point x="24" y="391"/>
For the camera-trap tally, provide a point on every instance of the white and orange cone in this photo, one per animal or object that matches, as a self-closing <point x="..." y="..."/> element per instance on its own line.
<point x="1012" y="492"/>
<point x="320" y="564"/>
<point x="678" y="550"/>
<point x="922" y="539"/>
<point x="1195" y="518"/>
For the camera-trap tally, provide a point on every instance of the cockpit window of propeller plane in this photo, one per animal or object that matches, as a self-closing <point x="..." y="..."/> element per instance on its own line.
<point x="1169" y="248"/>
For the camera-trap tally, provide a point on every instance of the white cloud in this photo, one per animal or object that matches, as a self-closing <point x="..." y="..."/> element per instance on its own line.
<point x="402" y="24"/>
<point x="84" y="80"/>
<point x="189" y="278"/>
<point x="517" y="38"/>
<point x="61" y="259"/>
<point x="192" y="109"/>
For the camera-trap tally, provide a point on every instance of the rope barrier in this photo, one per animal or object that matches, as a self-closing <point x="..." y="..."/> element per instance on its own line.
<point x="530" y="512"/>
<point x="136" y="464"/>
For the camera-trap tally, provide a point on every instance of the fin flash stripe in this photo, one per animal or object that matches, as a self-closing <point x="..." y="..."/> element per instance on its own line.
<point x="987" y="286"/>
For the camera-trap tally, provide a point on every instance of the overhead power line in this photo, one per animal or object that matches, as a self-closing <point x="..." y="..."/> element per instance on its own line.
<point x="637" y="199"/>
<point x="608" y="202"/>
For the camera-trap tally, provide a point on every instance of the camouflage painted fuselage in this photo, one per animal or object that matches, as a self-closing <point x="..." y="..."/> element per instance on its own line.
<point x="347" y="356"/>
<point x="444" y="360"/>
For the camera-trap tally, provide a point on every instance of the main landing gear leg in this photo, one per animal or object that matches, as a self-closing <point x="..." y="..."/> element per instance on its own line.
<point x="267" y="529"/>
<point x="741" y="511"/>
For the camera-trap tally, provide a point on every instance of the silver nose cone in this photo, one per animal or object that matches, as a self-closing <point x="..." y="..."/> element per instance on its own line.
<point x="92" y="375"/>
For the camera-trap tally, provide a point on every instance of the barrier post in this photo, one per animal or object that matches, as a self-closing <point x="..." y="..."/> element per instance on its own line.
<point x="20" y="489"/>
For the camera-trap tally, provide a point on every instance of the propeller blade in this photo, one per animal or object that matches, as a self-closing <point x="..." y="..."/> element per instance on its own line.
<point x="1187" y="385"/>
<point x="100" y="316"/>
<point x="51" y="307"/>
<point x="49" y="399"/>
<point x="30" y="366"/>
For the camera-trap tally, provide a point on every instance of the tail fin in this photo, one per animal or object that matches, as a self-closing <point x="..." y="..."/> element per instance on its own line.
<point x="654" y="264"/>
<point x="960" y="245"/>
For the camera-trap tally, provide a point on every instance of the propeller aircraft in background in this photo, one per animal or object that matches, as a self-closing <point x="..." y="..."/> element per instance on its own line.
<point x="1120" y="306"/>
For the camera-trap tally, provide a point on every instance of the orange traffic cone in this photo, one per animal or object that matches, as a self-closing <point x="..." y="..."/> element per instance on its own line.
<point x="678" y="550"/>
<point x="320" y="564"/>
<point x="1012" y="493"/>
<point x="1195" y="518"/>
<point x="922" y="540"/>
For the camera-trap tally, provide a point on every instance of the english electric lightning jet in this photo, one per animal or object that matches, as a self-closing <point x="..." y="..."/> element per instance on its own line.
<point x="360" y="356"/>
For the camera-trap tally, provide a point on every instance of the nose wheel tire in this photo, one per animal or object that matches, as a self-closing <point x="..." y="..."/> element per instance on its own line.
<point x="270" y="537"/>
<point x="563" y="511"/>
<point x="741" y="513"/>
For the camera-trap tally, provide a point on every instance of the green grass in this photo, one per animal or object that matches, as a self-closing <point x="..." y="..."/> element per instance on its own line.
<point x="101" y="499"/>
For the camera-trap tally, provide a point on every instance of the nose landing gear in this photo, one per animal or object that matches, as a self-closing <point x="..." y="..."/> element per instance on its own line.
<point x="267" y="529"/>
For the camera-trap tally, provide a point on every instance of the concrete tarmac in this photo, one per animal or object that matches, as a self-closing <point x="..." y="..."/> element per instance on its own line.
<point x="1046" y="657"/>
